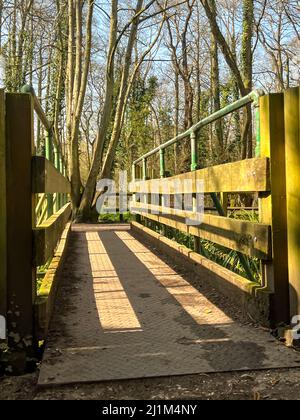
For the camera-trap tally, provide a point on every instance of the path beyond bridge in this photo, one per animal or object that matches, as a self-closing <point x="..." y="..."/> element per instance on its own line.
<point x="123" y="312"/>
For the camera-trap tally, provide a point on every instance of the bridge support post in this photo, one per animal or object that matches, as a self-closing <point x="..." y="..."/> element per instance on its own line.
<point x="273" y="205"/>
<point x="3" y="223"/>
<point x="194" y="167"/>
<point x="162" y="161"/>
<point x="49" y="156"/>
<point x="146" y="196"/>
<point x="137" y="217"/>
<point x="61" y="170"/>
<point x="65" y="196"/>
<point x="292" y="143"/>
<point x="57" y="166"/>
<point x="21" y="275"/>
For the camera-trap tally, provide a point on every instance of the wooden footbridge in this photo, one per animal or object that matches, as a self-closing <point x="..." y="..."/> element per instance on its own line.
<point x="129" y="301"/>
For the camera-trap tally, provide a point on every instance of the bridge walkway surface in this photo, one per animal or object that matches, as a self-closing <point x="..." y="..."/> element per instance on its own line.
<point x="125" y="312"/>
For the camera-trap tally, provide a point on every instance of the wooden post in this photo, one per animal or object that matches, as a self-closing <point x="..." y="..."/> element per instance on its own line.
<point x="273" y="206"/>
<point x="162" y="201"/>
<point x="224" y="202"/>
<point x="3" y="285"/>
<point x="61" y="170"/>
<point x="65" y="196"/>
<point x="21" y="276"/>
<point x="292" y="144"/>
<point x="194" y="167"/>
<point x="57" y="166"/>
<point x="49" y="156"/>
<point x="137" y="217"/>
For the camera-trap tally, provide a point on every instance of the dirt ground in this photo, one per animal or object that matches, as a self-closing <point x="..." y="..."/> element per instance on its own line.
<point x="264" y="385"/>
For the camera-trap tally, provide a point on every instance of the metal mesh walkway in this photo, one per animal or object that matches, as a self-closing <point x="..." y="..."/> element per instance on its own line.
<point x="122" y="313"/>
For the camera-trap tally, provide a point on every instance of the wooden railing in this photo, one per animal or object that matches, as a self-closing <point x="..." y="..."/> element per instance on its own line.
<point x="270" y="176"/>
<point x="34" y="211"/>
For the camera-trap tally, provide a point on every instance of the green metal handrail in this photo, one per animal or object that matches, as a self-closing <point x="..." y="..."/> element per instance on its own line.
<point x="42" y="116"/>
<point x="252" y="98"/>
<point x="53" y="150"/>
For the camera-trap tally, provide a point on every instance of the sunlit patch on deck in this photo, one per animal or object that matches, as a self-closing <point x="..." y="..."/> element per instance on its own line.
<point x="192" y="301"/>
<point x="116" y="313"/>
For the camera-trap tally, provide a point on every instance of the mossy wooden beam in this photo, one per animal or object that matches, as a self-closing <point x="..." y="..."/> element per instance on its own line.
<point x="47" y="293"/>
<point x="47" y="235"/>
<point x="21" y="276"/>
<point x="47" y="179"/>
<point x="248" y="295"/>
<point x="252" y="239"/>
<point x="3" y="251"/>
<point x="251" y="175"/>
<point x="292" y="147"/>
<point x="273" y="206"/>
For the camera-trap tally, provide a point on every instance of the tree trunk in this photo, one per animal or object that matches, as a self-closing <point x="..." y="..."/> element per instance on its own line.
<point x="122" y="99"/>
<point x="247" y="70"/>
<point x="215" y="88"/>
<point x="77" y="84"/>
<point x="89" y="191"/>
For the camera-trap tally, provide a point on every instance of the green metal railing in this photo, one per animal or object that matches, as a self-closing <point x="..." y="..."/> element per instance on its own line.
<point x="253" y="99"/>
<point x="53" y="153"/>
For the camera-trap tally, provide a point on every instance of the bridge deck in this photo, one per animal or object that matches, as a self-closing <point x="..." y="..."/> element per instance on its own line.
<point x="122" y="312"/>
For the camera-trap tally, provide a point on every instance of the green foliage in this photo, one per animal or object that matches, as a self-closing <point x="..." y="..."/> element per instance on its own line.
<point x="137" y="133"/>
<point x="225" y="257"/>
<point x="114" y="218"/>
<point x="41" y="273"/>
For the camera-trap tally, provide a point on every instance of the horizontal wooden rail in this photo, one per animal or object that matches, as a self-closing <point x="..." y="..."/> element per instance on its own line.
<point x="47" y="179"/>
<point x="47" y="235"/>
<point x="252" y="239"/>
<point x="45" y="300"/>
<point x="251" y="175"/>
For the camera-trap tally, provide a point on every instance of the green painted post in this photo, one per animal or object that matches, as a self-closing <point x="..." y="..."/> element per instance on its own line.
<point x="57" y="164"/>
<point x="145" y="195"/>
<point x="194" y="152"/>
<point x="144" y="169"/>
<point x="162" y="163"/>
<point x="194" y="167"/>
<point x="137" y="217"/>
<point x="65" y="196"/>
<point x="49" y="156"/>
<point x="61" y="197"/>
<point x="162" y="175"/>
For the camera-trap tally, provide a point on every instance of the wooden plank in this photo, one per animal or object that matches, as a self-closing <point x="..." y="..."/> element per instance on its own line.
<point x="21" y="277"/>
<point x="3" y="286"/>
<point x="251" y="175"/>
<point x="47" y="179"/>
<point x="252" y="239"/>
<point x="248" y="295"/>
<point x="273" y="206"/>
<point x="47" y="293"/>
<point x="292" y="147"/>
<point x="47" y="235"/>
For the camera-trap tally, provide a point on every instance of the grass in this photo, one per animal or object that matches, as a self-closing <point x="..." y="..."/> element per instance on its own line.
<point x="114" y="218"/>
<point x="225" y="257"/>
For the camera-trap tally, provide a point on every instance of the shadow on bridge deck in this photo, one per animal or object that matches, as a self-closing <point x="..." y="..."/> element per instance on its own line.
<point x="122" y="312"/>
